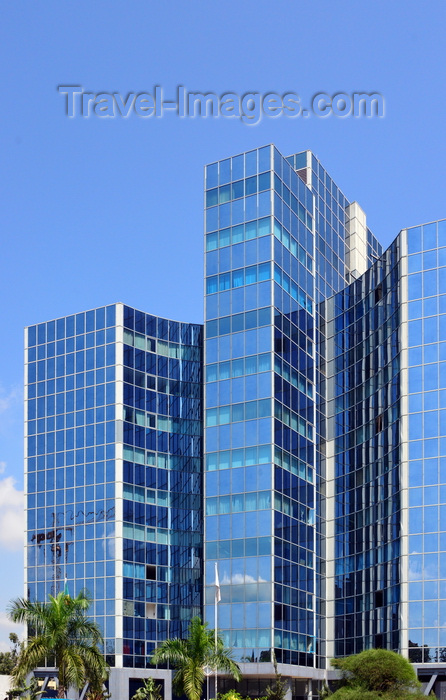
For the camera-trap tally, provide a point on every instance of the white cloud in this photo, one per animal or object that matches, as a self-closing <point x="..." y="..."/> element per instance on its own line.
<point x="12" y="517"/>
<point x="9" y="399"/>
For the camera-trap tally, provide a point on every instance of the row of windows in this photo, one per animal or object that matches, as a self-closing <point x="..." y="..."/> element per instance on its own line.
<point x="244" y="616"/>
<point x="425" y="590"/>
<point x="68" y="410"/>
<point x="320" y="175"/>
<point x="300" y="512"/>
<point x="225" y="459"/>
<point x="293" y="289"/>
<point x="96" y="319"/>
<point x="291" y="179"/>
<point x="289" y="216"/>
<point x="140" y="494"/>
<point x="425" y="354"/>
<point x="433" y="542"/>
<point x="135" y="458"/>
<point x="238" y="412"/>
<point x="249" y="547"/>
<point x="174" y="331"/>
<point x="238" y="368"/>
<point x="294" y="642"/>
<point x="238" y="479"/>
<point x="140" y="360"/>
<point x="54" y="479"/>
<point x="293" y="377"/>
<point x="426" y="237"/>
<point x="427" y="284"/>
<point x="377" y="555"/>
<point x="162" y="347"/>
<point x="427" y="568"/>
<point x="428" y="519"/>
<point x="238" y="278"/>
<point x="50" y="556"/>
<point x="65" y="421"/>
<point x="238" y="502"/>
<point x="90" y="570"/>
<point x="74" y="438"/>
<point x="428" y="424"/>
<point x="81" y="361"/>
<point x="239" y="188"/>
<point x="68" y="345"/>
<point x="293" y="268"/>
<point x="256" y="206"/>
<point x="238" y="233"/>
<point x="74" y="514"/>
<point x="56" y="535"/>
<point x="235" y="525"/>
<point x="82" y="459"/>
<point x="255" y="341"/>
<point x="148" y="537"/>
<point x="427" y="260"/>
<point x="431" y="306"/>
<point x="299" y="555"/>
<point x="180" y="477"/>
<point x="293" y="464"/>
<point x="238" y="322"/>
<point x="293" y="420"/>
<point x="432" y="329"/>
<point x="427" y="377"/>
<point x="426" y="449"/>
<point x="292" y="245"/>
<point x="180" y="426"/>
<point x="70" y="382"/>
<point x="237" y="167"/>
<point x="292" y="201"/>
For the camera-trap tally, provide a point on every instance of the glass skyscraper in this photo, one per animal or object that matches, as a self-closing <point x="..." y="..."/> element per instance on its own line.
<point x="114" y="475"/>
<point x="296" y="441"/>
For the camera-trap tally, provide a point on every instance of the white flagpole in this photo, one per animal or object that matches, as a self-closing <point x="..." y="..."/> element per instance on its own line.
<point x="217" y="600"/>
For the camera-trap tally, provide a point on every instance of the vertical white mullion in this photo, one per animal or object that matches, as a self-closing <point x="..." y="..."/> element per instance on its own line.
<point x="25" y="457"/>
<point x="404" y="460"/>
<point x="119" y="402"/>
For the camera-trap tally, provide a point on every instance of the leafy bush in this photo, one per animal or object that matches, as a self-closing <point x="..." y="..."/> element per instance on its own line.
<point x="375" y="674"/>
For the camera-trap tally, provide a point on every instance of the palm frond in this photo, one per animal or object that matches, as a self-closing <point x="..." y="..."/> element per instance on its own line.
<point x="189" y="657"/>
<point x="60" y="629"/>
<point x="174" y="651"/>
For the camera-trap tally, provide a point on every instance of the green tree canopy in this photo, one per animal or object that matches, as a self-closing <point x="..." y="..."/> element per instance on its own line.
<point x="190" y="656"/>
<point x="8" y="659"/>
<point x="60" y="634"/>
<point x="375" y="673"/>
<point x="148" y="691"/>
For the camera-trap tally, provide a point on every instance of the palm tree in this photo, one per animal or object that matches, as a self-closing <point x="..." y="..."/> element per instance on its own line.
<point x="190" y="656"/>
<point x="60" y="632"/>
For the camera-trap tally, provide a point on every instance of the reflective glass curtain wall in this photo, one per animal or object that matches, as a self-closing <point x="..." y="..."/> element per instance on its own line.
<point x="425" y="499"/>
<point x="70" y="436"/>
<point x="114" y="472"/>
<point x="362" y="456"/>
<point x="275" y="244"/>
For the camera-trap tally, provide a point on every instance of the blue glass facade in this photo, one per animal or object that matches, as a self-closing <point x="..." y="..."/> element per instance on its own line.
<point x="384" y="339"/>
<point x="425" y="636"/>
<point x="276" y="239"/>
<point x="362" y="448"/>
<point x="114" y="472"/>
<point x="70" y="461"/>
<point x="296" y="440"/>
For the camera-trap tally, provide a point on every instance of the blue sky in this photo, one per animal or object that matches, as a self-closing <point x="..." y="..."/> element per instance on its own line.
<point x="95" y="211"/>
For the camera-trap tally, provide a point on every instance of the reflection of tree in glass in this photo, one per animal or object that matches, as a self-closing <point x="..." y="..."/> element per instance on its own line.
<point x="419" y="653"/>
